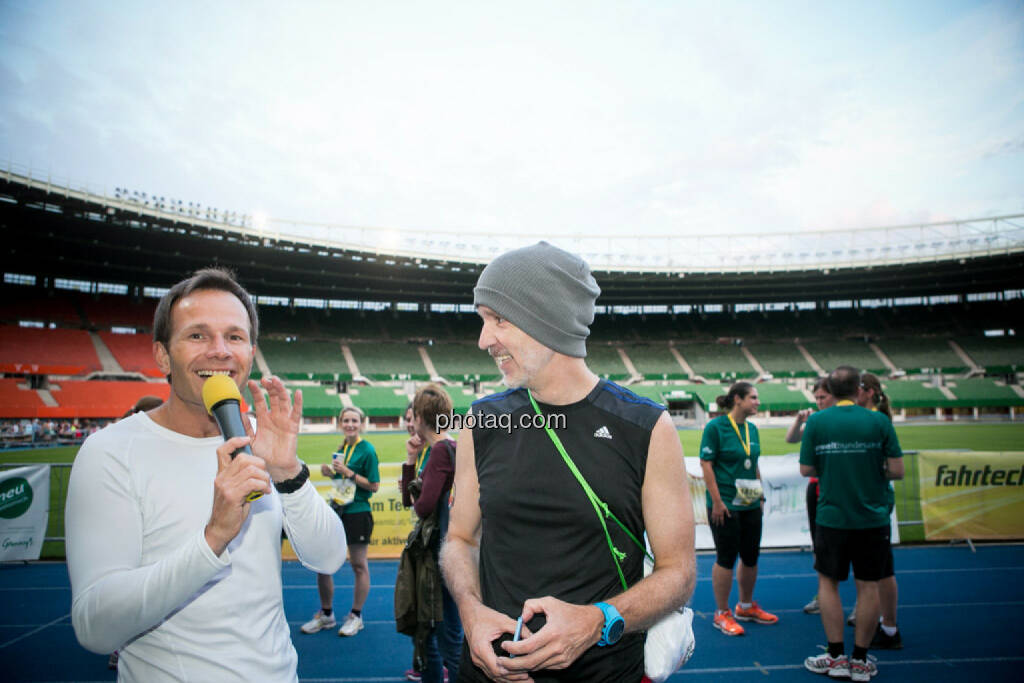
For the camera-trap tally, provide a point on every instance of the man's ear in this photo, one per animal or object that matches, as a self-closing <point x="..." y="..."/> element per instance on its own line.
<point x="162" y="358"/>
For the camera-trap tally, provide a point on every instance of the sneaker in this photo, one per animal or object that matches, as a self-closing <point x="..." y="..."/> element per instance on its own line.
<point x="862" y="669"/>
<point x="756" y="614"/>
<point x="726" y="624"/>
<point x="352" y="625"/>
<point x="852" y="619"/>
<point x="883" y="641"/>
<point x="318" y="623"/>
<point x="838" y="667"/>
<point x="813" y="607"/>
<point x="112" y="661"/>
<point x="414" y="675"/>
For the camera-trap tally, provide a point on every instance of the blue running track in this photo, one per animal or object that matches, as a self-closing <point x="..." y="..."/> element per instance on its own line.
<point x="957" y="618"/>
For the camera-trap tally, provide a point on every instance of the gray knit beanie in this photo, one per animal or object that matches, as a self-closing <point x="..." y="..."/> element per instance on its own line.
<point x="547" y="293"/>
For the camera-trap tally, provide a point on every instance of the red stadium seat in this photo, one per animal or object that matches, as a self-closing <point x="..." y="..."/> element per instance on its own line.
<point x="16" y="402"/>
<point x="41" y="351"/>
<point x="103" y="399"/>
<point x="134" y="352"/>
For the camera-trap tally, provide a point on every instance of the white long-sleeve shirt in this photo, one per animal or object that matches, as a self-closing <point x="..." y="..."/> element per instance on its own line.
<point x="144" y="580"/>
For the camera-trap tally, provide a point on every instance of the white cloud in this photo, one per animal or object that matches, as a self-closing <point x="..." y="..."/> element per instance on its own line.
<point x="530" y="117"/>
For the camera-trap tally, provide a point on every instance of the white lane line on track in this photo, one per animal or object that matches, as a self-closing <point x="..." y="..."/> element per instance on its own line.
<point x="688" y="672"/>
<point x="702" y="579"/>
<point x="697" y="613"/>
<point x="34" y="631"/>
<point x="761" y="668"/>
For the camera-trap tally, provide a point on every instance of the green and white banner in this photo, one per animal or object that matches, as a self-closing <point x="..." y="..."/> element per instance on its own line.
<point x="24" y="511"/>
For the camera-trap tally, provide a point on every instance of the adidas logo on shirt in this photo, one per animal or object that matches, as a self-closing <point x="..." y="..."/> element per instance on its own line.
<point x="603" y="433"/>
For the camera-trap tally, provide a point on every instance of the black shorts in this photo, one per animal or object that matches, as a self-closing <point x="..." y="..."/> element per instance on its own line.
<point x="739" y="534"/>
<point x="358" y="527"/>
<point x="867" y="549"/>
<point x="812" y="507"/>
<point x="890" y="565"/>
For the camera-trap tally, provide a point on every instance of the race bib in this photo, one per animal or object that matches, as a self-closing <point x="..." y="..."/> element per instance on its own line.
<point x="344" y="491"/>
<point x="748" y="492"/>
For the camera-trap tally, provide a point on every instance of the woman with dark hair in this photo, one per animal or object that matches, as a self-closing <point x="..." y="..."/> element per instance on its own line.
<point x="871" y="395"/>
<point x="729" y="450"/>
<point x="823" y="398"/>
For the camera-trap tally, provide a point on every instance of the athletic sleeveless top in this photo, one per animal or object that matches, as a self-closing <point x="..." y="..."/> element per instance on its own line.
<point x="540" y="535"/>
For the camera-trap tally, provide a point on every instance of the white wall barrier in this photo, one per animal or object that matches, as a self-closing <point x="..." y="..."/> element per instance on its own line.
<point x="785" y="508"/>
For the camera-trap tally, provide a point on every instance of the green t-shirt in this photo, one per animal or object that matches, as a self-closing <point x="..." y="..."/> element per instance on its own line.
<point x="722" y="446"/>
<point x="362" y="459"/>
<point x="848" y="446"/>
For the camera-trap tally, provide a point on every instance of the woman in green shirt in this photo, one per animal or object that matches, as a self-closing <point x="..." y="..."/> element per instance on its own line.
<point x="729" y="450"/>
<point x="354" y="468"/>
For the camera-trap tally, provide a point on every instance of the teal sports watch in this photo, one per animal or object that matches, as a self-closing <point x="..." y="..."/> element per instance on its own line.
<point x="614" y="624"/>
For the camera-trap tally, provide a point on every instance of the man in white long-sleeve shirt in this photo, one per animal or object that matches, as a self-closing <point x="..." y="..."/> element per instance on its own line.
<point x="168" y="561"/>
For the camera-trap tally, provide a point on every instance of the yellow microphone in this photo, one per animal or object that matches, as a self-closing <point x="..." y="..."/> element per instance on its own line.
<point x="224" y="402"/>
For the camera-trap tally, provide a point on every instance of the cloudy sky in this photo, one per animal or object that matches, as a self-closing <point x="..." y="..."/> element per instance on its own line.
<point x="647" y="118"/>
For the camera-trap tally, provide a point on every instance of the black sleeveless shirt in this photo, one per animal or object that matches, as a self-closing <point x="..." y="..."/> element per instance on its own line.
<point x="540" y="535"/>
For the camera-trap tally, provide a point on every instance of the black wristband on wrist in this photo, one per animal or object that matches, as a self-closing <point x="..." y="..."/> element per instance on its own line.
<point x="293" y="484"/>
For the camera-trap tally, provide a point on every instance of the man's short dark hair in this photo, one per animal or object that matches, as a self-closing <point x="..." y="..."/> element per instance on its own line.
<point x="220" y="279"/>
<point x="843" y="381"/>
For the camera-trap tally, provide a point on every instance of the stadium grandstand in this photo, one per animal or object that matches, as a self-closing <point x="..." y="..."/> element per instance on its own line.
<point x="351" y="321"/>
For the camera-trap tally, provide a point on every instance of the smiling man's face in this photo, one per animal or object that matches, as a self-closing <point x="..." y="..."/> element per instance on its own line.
<point x="519" y="357"/>
<point x="209" y="335"/>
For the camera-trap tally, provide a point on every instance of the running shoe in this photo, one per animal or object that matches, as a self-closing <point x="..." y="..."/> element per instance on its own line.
<point x="852" y="619"/>
<point x="863" y="669"/>
<point x="813" y="607"/>
<point x="725" y="623"/>
<point x="755" y="614"/>
<point x="414" y="675"/>
<point x="353" y="625"/>
<point x="318" y="623"/>
<point x="883" y="641"/>
<point x="834" y="667"/>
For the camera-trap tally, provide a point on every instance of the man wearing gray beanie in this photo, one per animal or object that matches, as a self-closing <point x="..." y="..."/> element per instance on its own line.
<point x="524" y="540"/>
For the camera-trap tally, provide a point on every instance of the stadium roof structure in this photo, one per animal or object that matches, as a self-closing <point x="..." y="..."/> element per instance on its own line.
<point x="58" y="231"/>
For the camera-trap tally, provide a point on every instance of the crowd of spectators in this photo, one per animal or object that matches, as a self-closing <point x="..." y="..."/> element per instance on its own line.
<point x="21" y="432"/>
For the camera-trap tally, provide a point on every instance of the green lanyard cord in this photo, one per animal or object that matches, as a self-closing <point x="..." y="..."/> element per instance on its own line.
<point x="600" y="507"/>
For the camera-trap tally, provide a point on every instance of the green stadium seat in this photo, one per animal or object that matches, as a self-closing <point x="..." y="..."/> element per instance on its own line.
<point x="319" y="401"/>
<point x="305" y="359"/>
<point x="922" y="354"/>
<point x="655" y="361"/>
<point x="778" y="397"/>
<point x="914" y="394"/>
<point x="832" y="354"/>
<point x="1003" y="355"/>
<point x="983" y="392"/>
<point x="389" y="360"/>
<point x="461" y="397"/>
<point x="717" y="361"/>
<point x="461" y="361"/>
<point x="605" y="361"/>
<point x="380" y="401"/>
<point x="781" y="359"/>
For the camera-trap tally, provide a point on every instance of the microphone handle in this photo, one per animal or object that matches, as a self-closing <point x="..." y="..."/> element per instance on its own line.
<point x="228" y="415"/>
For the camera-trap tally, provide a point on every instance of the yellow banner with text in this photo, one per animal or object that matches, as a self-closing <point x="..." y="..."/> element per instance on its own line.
<point x="975" y="495"/>
<point x="392" y="521"/>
